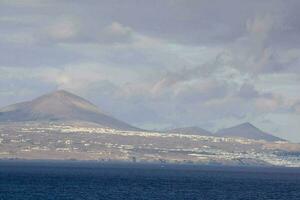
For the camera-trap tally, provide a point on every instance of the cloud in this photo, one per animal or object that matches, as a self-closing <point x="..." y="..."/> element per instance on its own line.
<point x="247" y="91"/>
<point x="18" y="38"/>
<point x="115" y="33"/>
<point x="64" y="29"/>
<point x="260" y="27"/>
<point x="267" y="104"/>
<point x="24" y="2"/>
<point x="296" y="107"/>
<point x="250" y="52"/>
<point x="168" y="63"/>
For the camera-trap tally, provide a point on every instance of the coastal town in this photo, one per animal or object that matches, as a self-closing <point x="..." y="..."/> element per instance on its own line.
<point x="88" y="141"/>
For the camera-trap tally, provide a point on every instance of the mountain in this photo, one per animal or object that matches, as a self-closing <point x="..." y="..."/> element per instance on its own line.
<point x="60" y="106"/>
<point x="191" y="131"/>
<point x="247" y="130"/>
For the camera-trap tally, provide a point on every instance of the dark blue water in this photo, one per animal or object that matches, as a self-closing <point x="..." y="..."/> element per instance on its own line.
<point x="42" y="180"/>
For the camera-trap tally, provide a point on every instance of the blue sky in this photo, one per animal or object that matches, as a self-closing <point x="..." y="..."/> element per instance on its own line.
<point x="159" y="64"/>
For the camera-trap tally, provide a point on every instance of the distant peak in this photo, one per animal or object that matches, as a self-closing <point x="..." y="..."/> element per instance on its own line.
<point x="61" y="92"/>
<point x="64" y="99"/>
<point x="247" y="124"/>
<point x="60" y="105"/>
<point x="188" y="127"/>
<point x="247" y="130"/>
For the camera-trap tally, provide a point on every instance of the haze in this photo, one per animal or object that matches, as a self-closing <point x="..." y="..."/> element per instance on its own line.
<point x="159" y="64"/>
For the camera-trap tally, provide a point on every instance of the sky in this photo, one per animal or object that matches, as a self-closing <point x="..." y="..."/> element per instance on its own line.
<point x="162" y="63"/>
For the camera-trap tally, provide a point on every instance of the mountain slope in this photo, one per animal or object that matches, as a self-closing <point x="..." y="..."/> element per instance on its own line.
<point x="191" y="131"/>
<point x="247" y="130"/>
<point x="60" y="106"/>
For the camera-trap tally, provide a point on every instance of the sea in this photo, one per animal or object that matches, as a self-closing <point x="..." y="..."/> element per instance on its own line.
<point x="42" y="180"/>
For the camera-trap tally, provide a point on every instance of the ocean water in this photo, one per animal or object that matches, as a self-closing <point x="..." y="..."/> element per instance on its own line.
<point x="89" y="181"/>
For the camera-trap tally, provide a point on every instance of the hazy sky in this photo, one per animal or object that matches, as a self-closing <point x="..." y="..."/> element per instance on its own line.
<point x="159" y="63"/>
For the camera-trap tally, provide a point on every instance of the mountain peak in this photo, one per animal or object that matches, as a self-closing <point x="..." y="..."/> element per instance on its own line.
<point x="248" y="125"/>
<point x="60" y="105"/>
<point x="247" y="130"/>
<point x="61" y="92"/>
<point x="62" y="101"/>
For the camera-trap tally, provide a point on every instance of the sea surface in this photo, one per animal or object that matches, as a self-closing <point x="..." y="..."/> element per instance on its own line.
<point x="86" y="180"/>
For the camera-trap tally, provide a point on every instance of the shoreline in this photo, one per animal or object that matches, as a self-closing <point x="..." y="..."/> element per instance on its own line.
<point x="142" y="165"/>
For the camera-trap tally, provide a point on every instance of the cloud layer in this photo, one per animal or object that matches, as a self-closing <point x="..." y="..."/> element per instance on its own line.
<point x="159" y="64"/>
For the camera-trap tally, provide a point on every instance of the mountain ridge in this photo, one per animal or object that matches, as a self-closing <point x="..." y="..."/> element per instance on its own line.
<point x="62" y="105"/>
<point x="190" y="130"/>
